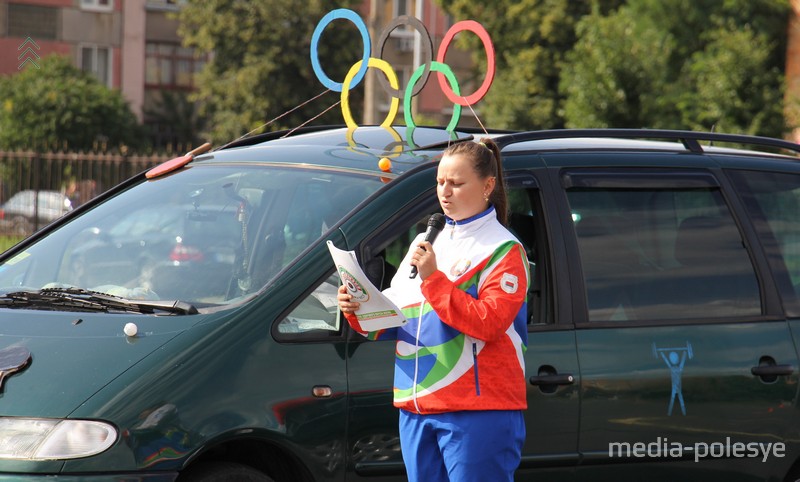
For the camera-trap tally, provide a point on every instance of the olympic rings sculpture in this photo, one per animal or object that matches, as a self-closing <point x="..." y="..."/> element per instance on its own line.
<point x="447" y="79"/>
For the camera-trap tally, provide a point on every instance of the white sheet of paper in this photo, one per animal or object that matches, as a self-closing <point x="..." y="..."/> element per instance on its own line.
<point x="377" y="312"/>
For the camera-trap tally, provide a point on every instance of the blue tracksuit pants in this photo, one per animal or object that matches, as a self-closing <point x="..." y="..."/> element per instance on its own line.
<point x="467" y="446"/>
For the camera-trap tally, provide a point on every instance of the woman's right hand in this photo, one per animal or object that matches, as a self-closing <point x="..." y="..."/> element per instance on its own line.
<point x="345" y="301"/>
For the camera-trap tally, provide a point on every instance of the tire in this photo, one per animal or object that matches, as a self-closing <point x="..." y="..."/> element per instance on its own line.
<point x="222" y="472"/>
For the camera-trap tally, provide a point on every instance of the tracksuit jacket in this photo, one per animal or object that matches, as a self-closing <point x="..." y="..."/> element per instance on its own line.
<point x="462" y="347"/>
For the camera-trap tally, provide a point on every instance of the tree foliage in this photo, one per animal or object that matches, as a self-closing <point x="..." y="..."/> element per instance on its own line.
<point x="260" y="65"/>
<point x="735" y="87"/>
<point x="531" y="38"/>
<point x="683" y="64"/>
<point x="174" y="120"/>
<point x="58" y="105"/>
<point x="615" y="56"/>
<point x="718" y="66"/>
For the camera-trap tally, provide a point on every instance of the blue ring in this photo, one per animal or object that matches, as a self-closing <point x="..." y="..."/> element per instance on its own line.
<point x="362" y="27"/>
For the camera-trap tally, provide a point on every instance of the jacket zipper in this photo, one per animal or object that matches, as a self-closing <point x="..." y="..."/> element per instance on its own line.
<point x="475" y="368"/>
<point x="416" y="357"/>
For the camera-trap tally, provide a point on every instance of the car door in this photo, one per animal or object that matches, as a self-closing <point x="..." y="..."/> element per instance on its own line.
<point x="688" y="368"/>
<point x="551" y="362"/>
<point x="552" y="416"/>
<point x="772" y="200"/>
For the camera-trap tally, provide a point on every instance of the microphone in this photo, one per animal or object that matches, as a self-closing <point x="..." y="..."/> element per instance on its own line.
<point x="435" y="226"/>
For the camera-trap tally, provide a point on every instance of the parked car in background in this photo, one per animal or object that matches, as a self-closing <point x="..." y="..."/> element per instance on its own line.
<point x="25" y="212"/>
<point x="183" y="326"/>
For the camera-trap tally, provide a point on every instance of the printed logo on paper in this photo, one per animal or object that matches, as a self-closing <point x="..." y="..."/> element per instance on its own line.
<point x="509" y="283"/>
<point x="355" y="288"/>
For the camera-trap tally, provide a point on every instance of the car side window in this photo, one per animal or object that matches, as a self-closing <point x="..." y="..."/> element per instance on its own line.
<point x="398" y="247"/>
<point x="317" y="311"/>
<point x="661" y="254"/>
<point x="773" y="202"/>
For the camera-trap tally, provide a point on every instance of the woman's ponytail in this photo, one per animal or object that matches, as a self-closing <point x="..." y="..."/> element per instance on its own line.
<point x="498" y="197"/>
<point x="486" y="159"/>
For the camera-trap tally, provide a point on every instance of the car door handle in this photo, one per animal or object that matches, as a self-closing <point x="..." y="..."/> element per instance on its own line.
<point x="772" y="370"/>
<point x="561" y="379"/>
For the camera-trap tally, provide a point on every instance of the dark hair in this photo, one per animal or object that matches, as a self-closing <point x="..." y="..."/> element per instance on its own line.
<point x="486" y="160"/>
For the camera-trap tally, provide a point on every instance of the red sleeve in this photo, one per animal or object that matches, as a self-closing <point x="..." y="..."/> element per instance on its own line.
<point x="499" y="300"/>
<point x="387" y="334"/>
<point x="352" y="320"/>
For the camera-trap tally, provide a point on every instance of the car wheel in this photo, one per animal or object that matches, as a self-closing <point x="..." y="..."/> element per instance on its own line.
<point x="222" y="472"/>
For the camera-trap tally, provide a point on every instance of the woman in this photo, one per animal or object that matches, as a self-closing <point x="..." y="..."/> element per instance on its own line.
<point x="459" y="371"/>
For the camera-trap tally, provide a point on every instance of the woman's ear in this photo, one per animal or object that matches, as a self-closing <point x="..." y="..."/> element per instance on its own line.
<point x="490" y="183"/>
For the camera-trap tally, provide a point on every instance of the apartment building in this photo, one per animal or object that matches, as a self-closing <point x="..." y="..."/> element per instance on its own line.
<point x="130" y="45"/>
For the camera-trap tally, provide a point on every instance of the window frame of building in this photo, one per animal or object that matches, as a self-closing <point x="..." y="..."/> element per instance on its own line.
<point x="94" y="70"/>
<point x="178" y="54"/>
<point x="165" y="5"/>
<point x="398" y="10"/>
<point x="39" y="22"/>
<point x="97" y="5"/>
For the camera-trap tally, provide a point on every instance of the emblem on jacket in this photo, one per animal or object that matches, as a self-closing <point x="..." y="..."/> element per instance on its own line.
<point x="509" y="283"/>
<point x="12" y="360"/>
<point x="460" y="267"/>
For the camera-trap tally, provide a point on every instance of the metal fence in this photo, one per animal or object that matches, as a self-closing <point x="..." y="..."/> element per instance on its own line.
<point x="36" y="187"/>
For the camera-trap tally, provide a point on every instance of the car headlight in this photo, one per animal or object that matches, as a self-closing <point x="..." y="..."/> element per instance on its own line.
<point x="51" y="439"/>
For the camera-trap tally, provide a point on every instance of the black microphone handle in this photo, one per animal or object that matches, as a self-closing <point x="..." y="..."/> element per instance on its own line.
<point x="430" y="236"/>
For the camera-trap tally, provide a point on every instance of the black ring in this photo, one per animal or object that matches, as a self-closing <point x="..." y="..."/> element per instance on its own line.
<point x="427" y="49"/>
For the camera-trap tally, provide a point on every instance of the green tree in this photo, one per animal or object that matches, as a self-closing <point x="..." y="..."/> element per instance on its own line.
<point x="716" y="65"/>
<point x="261" y="66"/>
<point x="174" y="120"/>
<point x="531" y="39"/>
<point x="618" y="73"/>
<point x="735" y="87"/>
<point x="60" y="105"/>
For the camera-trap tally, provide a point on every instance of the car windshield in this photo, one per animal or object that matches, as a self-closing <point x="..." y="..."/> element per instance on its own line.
<point x="206" y="235"/>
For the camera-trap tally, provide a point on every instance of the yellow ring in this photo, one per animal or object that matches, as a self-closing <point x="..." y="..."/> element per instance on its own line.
<point x="384" y="67"/>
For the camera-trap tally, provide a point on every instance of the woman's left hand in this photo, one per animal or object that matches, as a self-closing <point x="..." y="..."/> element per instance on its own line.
<point x="424" y="259"/>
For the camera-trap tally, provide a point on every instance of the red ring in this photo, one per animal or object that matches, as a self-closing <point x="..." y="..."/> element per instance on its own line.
<point x="481" y="32"/>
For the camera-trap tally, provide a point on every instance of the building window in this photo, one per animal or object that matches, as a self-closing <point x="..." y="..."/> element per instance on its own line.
<point x="401" y="7"/>
<point x="36" y="22"/>
<point x="165" y="5"/>
<point x="97" y="60"/>
<point x="171" y="66"/>
<point x="98" y="5"/>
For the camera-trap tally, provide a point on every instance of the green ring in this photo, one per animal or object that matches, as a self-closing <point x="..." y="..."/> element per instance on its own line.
<point x="451" y="77"/>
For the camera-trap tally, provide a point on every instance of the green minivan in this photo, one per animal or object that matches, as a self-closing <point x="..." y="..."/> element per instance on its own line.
<point x="183" y="326"/>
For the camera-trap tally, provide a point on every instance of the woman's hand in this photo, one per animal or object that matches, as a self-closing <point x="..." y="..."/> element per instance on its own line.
<point x="424" y="259"/>
<point x="345" y="303"/>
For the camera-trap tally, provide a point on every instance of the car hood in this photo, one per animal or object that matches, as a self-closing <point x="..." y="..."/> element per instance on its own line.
<point x="73" y="355"/>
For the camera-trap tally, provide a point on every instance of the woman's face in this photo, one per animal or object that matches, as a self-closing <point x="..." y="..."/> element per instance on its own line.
<point x="460" y="190"/>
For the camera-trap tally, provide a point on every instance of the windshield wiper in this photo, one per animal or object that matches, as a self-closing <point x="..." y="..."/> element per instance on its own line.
<point x="79" y="299"/>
